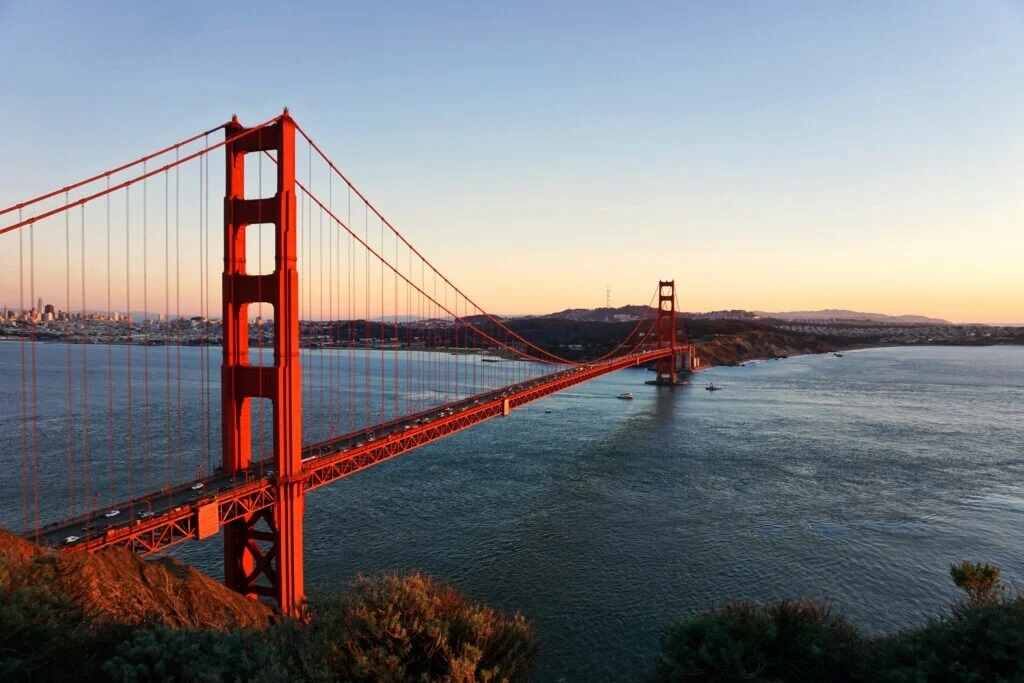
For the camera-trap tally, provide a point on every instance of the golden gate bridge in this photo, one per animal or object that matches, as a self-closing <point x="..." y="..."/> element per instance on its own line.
<point x="108" y="463"/>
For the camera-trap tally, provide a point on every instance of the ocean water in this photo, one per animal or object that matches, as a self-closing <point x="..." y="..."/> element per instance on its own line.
<point x="855" y="479"/>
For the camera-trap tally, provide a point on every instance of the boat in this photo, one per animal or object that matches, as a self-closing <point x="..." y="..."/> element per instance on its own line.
<point x="837" y="355"/>
<point x="712" y="387"/>
<point x="490" y="360"/>
<point x="625" y="396"/>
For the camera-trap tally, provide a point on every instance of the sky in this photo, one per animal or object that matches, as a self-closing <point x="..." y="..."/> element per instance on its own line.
<point x="767" y="156"/>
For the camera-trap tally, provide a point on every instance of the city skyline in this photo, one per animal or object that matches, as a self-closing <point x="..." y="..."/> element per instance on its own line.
<point x="768" y="159"/>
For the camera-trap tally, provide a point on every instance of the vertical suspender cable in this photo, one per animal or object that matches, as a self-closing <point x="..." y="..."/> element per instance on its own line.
<point x="323" y="376"/>
<point x="351" y="356"/>
<point x="338" y="336"/>
<point x="206" y="324"/>
<point x="69" y="470"/>
<point x="383" y="380"/>
<point x="307" y="226"/>
<point x="409" y="355"/>
<point x="366" y="395"/>
<point x="309" y="256"/>
<point x="329" y="349"/>
<point x="26" y="476"/>
<point x="425" y="331"/>
<point x="204" y="314"/>
<point x="147" y="330"/>
<point x="439" y="396"/>
<point x="86" y="464"/>
<point x="397" y="341"/>
<point x="177" y="314"/>
<point x="169" y="452"/>
<point x="35" y="383"/>
<point x="409" y="358"/>
<point x="204" y="310"/>
<point x="128" y="347"/>
<point x="110" y="360"/>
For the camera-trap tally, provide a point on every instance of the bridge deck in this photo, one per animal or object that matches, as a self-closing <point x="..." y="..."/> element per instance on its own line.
<point x="172" y="516"/>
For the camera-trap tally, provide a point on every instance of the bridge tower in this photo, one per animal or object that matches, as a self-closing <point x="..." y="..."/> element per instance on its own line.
<point x="665" y="325"/>
<point x="263" y="551"/>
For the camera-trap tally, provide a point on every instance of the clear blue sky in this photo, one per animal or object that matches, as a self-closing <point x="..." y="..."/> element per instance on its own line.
<point x="766" y="155"/>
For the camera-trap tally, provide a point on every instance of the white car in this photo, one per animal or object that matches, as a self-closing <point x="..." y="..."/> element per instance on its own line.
<point x="198" y="485"/>
<point x="71" y="539"/>
<point x="146" y="514"/>
<point x="111" y="513"/>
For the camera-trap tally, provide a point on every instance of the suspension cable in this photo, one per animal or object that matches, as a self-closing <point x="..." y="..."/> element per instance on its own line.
<point x="555" y="358"/>
<point x="108" y="173"/>
<point x="179" y="160"/>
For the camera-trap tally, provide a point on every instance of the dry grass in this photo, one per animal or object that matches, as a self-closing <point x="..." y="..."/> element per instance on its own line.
<point x="118" y="586"/>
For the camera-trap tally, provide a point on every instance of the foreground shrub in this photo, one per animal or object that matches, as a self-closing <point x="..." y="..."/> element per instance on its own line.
<point x="980" y="581"/>
<point x="39" y="631"/>
<point x="392" y="628"/>
<point x="981" y="640"/>
<point x="164" y="654"/>
<point x="797" y="640"/>
<point x="411" y="628"/>
<point x="980" y="643"/>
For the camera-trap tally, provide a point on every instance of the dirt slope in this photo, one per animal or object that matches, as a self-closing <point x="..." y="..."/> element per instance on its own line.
<point x="119" y="586"/>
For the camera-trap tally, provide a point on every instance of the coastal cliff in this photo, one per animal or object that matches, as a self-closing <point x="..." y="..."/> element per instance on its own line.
<point x="732" y="349"/>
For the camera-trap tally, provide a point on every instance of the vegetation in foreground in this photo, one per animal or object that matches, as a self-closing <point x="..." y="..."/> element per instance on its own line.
<point x="981" y="640"/>
<point x="113" y="616"/>
<point x="390" y="628"/>
<point x="412" y="628"/>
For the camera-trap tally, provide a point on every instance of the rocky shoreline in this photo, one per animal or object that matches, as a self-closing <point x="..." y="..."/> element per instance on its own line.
<point x="733" y="349"/>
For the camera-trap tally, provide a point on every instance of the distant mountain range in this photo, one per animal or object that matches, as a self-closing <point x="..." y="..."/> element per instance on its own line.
<point x="838" y="314"/>
<point x="626" y="313"/>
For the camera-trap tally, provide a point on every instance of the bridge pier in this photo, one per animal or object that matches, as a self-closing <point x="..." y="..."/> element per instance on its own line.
<point x="263" y="551"/>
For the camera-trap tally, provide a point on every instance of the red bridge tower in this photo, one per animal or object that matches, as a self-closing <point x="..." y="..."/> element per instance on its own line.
<point x="263" y="551"/>
<point x="683" y="357"/>
<point x="665" y="326"/>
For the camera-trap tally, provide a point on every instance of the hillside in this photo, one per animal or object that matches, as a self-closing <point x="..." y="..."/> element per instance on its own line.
<point x="604" y="315"/>
<point x="721" y="341"/>
<point x="729" y="349"/>
<point x="838" y="314"/>
<point x="118" y="586"/>
<point x="626" y="313"/>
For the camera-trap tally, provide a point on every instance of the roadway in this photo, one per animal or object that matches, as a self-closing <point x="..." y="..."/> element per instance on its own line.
<point x="162" y="518"/>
